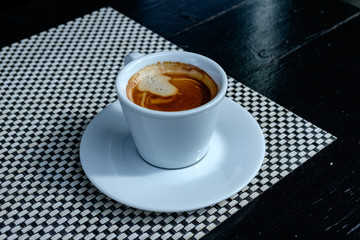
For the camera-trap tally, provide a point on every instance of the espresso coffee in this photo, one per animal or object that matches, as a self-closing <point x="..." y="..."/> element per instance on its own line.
<point x="171" y="86"/>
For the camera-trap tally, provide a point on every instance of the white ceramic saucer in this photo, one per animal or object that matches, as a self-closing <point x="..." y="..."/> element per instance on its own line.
<point x="111" y="162"/>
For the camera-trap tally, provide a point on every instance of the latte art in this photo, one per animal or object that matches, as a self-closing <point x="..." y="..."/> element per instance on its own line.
<point x="171" y="86"/>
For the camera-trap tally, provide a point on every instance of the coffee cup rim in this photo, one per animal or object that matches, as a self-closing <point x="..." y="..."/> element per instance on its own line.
<point x="121" y="92"/>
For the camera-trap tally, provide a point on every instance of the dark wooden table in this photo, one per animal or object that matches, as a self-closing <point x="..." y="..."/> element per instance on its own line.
<point x="304" y="55"/>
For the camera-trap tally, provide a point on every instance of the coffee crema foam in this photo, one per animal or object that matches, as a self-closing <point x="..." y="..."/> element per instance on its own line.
<point x="171" y="86"/>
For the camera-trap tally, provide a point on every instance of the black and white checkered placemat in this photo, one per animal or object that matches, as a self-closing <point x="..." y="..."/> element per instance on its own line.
<point x="51" y="86"/>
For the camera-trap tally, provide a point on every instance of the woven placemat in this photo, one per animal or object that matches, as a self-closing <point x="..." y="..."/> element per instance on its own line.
<point x="51" y="86"/>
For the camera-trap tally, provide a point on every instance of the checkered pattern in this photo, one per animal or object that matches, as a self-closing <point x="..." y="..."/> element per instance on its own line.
<point x="51" y="86"/>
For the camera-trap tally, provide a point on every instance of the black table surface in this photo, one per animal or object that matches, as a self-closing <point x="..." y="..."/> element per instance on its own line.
<point x="304" y="55"/>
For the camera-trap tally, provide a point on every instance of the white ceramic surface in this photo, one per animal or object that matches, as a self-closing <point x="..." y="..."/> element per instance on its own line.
<point x="171" y="139"/>
<point x="110" y="160"/>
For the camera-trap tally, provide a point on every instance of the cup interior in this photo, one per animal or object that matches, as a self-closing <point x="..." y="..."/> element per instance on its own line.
<point x="211" y="67"/>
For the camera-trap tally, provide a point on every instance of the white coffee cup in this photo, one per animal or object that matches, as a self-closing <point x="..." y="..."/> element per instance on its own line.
<point x="177" y="139"/>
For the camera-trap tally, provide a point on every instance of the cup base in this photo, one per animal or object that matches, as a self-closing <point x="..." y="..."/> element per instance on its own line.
<point x="177" y="167"/>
